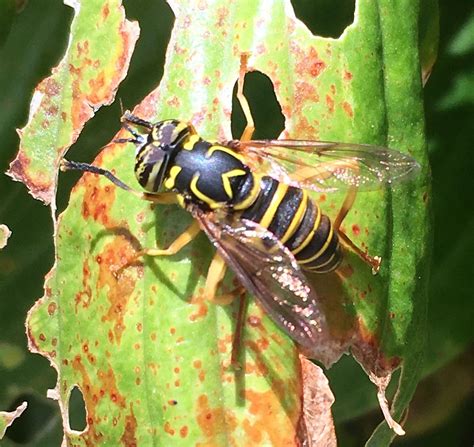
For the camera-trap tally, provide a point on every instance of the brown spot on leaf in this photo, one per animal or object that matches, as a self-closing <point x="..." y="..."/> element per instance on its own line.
<point x="105" y="12"/>
<point x="222" y="14"/>
<point x="224" y="343"/>
<point x="309" y="63"/>
<point x="82" y="48"/>
<point x="118" y="290"/>
<point x="91" y="394"/>
<point x="265" y="407"/>
<point x="348" y="109"/>
<point x="168" y="429"/>
<point x="52" y="308"/>
<point x="129" y="438"/>
<point x="209" y="419"/>
<point x="197" y="364"/>
<point x="83" y="297"/>
<point x="97" y="200"/>
<point x="347" y="75"/>
<point x="368" y="351"/>
<point x="330" y="103"/>
<point x="98" y="88"/>
<point x="109" y="386"/>
<point x="254" y="321"/>
<point x="183" y="431"/>
<point x="202" y="376"/>
<point x="52" y="110"/>
<point x="355" y="230"/>
<point x="39" y="184"/>
<point x="50" y="87"/>
<point x="174" y="102"/>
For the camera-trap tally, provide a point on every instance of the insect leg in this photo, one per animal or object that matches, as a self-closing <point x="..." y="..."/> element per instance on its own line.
<point x="166" y="198"/>
<point x="346" y="206"/>
<point x="215" y="276"/>
<point x="239" y="329"/>
<point x="250" y="127"/>
<point x="373" y="261"/>
<point x="181" y="241"/>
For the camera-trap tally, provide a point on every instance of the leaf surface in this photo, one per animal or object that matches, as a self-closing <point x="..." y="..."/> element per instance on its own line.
<point x="137" y="343"/>
<point x="96" y="60"/>
<point x="8" y="417"/>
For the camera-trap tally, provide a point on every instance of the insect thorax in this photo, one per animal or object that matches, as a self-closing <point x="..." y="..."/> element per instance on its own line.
<point x="209" y="175"/>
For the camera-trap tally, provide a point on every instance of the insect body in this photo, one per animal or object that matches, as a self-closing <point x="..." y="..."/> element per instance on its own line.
<point x="212" y="176"/>
<point x="251" y="199"/>
<point x="265" y="226"/>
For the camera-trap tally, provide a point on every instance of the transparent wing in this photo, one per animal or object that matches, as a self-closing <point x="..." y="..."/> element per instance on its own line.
<point x="327" y="167"/>
<point x="269" y="271"/>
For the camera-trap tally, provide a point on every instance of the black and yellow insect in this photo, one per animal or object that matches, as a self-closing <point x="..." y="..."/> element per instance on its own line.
<point x="256" y="209"/>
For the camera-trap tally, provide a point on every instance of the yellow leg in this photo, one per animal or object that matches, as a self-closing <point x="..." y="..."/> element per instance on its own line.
<point x="250" y="127"/>
<point x="375" y="261"/>
<point x="215" y="275"/>
<point x="346" y="206"/>
<point x="182" y="240"/>
<point x="239" y="330"/>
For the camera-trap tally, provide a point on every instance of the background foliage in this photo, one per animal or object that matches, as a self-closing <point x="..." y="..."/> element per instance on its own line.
<point x="31" y="43"/>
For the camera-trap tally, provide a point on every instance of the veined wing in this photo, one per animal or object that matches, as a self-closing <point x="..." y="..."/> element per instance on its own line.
<point x="268" y="270"/>
<point x="327" y="167"/>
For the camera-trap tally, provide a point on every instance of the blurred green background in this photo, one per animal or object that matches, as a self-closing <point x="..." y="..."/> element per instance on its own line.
<point x="33" y="39"/>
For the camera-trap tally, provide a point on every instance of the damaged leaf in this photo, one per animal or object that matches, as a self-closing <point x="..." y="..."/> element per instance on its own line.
<point x="8" y="417"/>
<point x="317" y="425"/>
<point x="96" y="60"/>
<point x="174" y="384"/>
<point x="5" y="233"/>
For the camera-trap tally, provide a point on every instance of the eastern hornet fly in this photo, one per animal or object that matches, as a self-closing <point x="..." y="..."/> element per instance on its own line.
<point x="262" y="221"/>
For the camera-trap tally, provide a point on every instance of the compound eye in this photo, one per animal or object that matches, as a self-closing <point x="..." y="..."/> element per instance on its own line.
<point x="150" y="166"/>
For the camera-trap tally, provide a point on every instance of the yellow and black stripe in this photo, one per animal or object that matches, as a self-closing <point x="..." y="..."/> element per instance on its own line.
<point x="298" y="223"/>
<point x="214" y="176"/>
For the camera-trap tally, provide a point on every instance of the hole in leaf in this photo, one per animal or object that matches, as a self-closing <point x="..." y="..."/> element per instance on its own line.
<point x="325" y="18"/>
<point x="146" y="67"/>
<point x="30" y="426"/>
<point x="77" y="410"/>
<point x="266" y="111"/>
<point x="145" y="71"/>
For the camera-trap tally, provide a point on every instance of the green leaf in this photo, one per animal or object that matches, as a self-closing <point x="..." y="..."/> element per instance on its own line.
<point x="174" y="384"/>
<point x="94" y="64"/>
<point x="7" y="418"/>
<point x="428" y="36"/>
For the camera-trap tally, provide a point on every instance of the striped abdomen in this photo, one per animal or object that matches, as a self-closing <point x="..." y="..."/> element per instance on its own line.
<point x="298" y="223"/>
